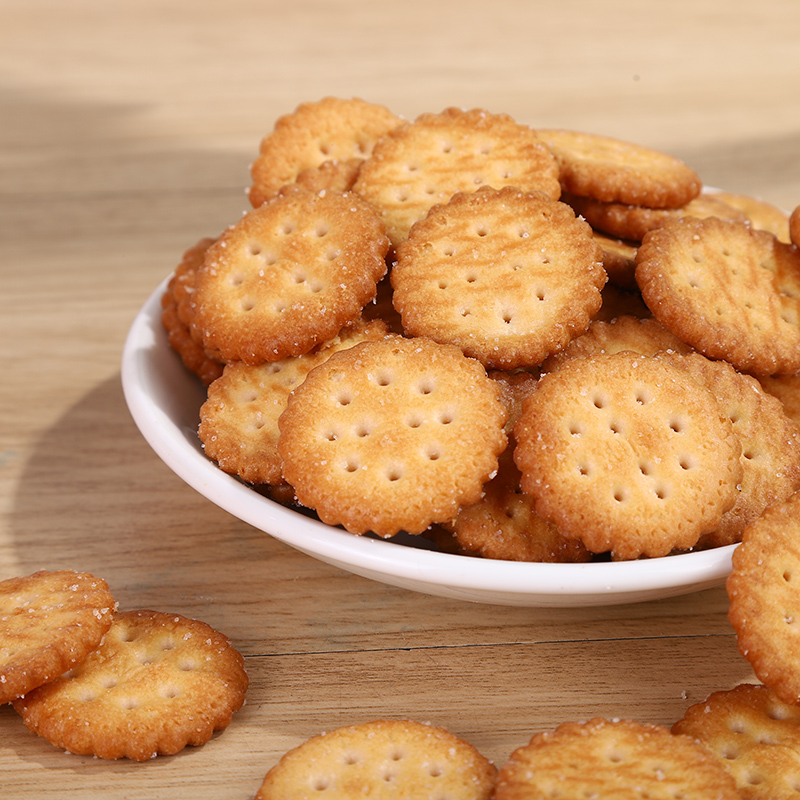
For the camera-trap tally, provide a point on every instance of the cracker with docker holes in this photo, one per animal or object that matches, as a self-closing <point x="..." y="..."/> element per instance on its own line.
<point x="770" y="443"/>
<point x="508" y="277"/>
<point x="425" y="162"/>
<point x="239" y="419"/>
<point x="755" y="735"/>
<point x="381" y="759"/>
<point x="333" y="135"/>
<point x="392" y="435"/>
<point x="289" y="275"/>
<point x="157" y="683"/>
<point x="616" y="171"/>
<point x="49" y="621"/>
<point x="628" y="453"/>
<point x="730" y="291"/>
<point x="622" y="759"/>
<point x="764" y="603"/>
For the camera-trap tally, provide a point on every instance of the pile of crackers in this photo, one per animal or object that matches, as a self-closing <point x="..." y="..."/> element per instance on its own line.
<point x="523" y="344"/>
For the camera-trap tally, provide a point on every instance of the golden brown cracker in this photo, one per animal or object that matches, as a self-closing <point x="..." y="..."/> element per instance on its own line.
<point x="618" y="759"/>
<point x="627" y="453"/>
<point x="787" y="389"/>
<point x="333" y="131"/>
<point x="755" y="735"/>
<point x="762" y="590"/>
<point x="392" y="435"/>
<point x="770" y="443"/>
<point x="794" y="226"/>
<point x="616" y="171"/>
<point x="49" y="621"/>
<point x="761" y="214"/>
<point x="239" y="419"/>
<point x="381" y="759"/>
<point x="506" y="276"/>
<point x="730" y="291"/>
<point x="425" y="162"/>
<point x="289" y="275"/>
<point x="157" y="683"/>
<point x="621" y="302"/>
<point x="634" y="222"/>
<point x="619" y="260"/>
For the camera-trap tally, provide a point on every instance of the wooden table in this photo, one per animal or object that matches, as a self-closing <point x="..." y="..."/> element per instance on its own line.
<point x="126" y="131"/>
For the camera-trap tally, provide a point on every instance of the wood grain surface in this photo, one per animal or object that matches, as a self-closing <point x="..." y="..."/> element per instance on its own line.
<point x="126" y="133"/>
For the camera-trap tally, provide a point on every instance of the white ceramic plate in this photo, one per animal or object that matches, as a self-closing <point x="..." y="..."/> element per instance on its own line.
<point x="164" y="400"/>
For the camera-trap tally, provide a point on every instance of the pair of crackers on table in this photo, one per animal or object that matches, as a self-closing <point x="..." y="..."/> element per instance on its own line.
<point x="415" y="328"/>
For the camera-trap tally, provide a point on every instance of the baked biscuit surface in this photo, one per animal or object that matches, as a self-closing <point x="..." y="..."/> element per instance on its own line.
<point x="425" y="162"/>
<point x="289" y="275"/>
<point x="392" y="435"/>
<point x="508" y="277"/>
<point x="627" y="453"/>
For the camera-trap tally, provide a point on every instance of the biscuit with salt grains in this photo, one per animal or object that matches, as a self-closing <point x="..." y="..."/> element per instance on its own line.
<point x="619" y="260"/>
<point x="634" y="222"/>
<point x="755" y="735"/>
<point x="49" y="621"/>
<point x="770" y="443"/>
<point x="618" y="759"/>
<point x="157" y="683"/>
<point x="628" y="453"/>
<point x="626" y="332"/>
<point x="392" y="435"/>
<point x="425" y="162"/>
<point x="730" y="291"/>
<point x="333" y="134"/>
<point x="381" y="759"/>
<point x="764" y="603"/>
<point x="508" y="277"/>
<point x="761" y="214"/>
<point x="289" y="275"/>
<point x="331" y="175"/>
<point x="239" y="419"/>
<point x="616" y="171"/>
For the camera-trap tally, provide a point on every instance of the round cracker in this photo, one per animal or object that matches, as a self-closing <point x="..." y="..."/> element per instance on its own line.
<point x="730" y="291"/>
<point x="627" y="453"/>
<point x="381" y="759"/>
<point x="334" y="134"/>
<point x="49" y="621"/>
<point x="755" y="735"/>
<point x="762" y="589"/>
<point x="289" y="275"/>
<point x="508" y="277"/>
<point x="425" y="162"/>
<point x="618" y="759"/>
<point x="157" y="683"/>
<point x="616" y="171"/>
<point x="760" y="213"/>
<point x="392" y="435"/>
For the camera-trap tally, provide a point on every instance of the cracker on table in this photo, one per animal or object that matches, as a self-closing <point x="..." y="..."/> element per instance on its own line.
<point x="239" y="419"/>
<point x="633" y="222"/>
<point x="628" y="453"/>
<point x="425" y="162"/>
<point x="730" y="291"/>
<point x="764" y="607"/>
<point x="508" y="277"/>
<point x="381" y="759"/>
<point x="770" y="443"/>
<point x="616" y="171"/>
<point x="618" y="759"/>
<point x="392" y="435"/>
<point x="49" y="621"/>
<point x="332" y="134"/>
<point x="755" y="735"/>
<point x="157" y="683"/>
<point x="289" y="275"/>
